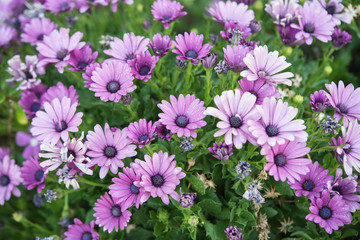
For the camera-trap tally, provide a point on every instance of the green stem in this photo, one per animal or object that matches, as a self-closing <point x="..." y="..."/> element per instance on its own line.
<point x="65" y="212"/>
<point x="149" y="149"/>
<point x="208" y="86"/>
<point x="88" y="182"/>
<point x="175" y="77"/>
<point x="320" y="71"/>
<point x="323" y="149"/>
<point x="188" y="75"/>
<point x="234" y="78"/>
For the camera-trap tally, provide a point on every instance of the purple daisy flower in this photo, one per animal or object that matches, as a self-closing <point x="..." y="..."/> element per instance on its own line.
<point x="59" y="91"/>
<point x="221" y="151"/>
<point x="187" y="199"/>
<point x="108" y="147"/>
<point x="319" y="101"/>
<point x="182" y="116"/>
<point x="109" y="215"/>
<point x="161" y="44"/>
<point x="285" y="162"/>
<point x="266" y="65"/>
<point x="189" y="47"/>
<point x="112" y="80"/>
<point x="313" y="21"/>
<point x="143" y="65"/>
<point x="84" y="5"/>
<point x="81" y="231"/>
<point x="6" y="34"/>
<point x="233" y="31"/>
<point x="312" y="183"/>
<point x="338" y="143"/>
<point x="32" y="100"/>
<point x="276" y="124"/>
<point x="284" y="12"/>
<point x="57" y="46"/>
<point x="340" y="38"/>
<point x="167" y="11"/>
<point x="162" y="131"/>
<point x="210" y="60"/>
<point x="58" y="6"/>
<point x="32" y="144"/>
<point x="234" y="233"/>
<point x="36" y="29"/>
<point x="33" y="174"/>
<point x="330" y="214"/>
<point x="127" y="49"/>
<point x="88" y="73"/>
<point x="124" y="191"/>
<point x="335" y="9"/>
<point x="234" y="111"/>
<point x="234" y="56"/>
<point x="4" y="152"/>
<point x="141" y="133"/>
<point x="230" y="11"/>
<point x="58" y="119"/>
<point x="345" y="101"/>
<point x="259" y="88"/>
<point x="9" y="179"/>
<point x="81" y="58"/>
<point x="160" y="176"/>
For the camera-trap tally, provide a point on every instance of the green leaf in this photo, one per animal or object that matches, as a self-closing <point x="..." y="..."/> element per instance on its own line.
<point x="349" y="233"/>
<point x="159" y="229"/>
<point x="301" y="234"/>
<point x="210" y="206"/>
<point x="284" y="188"/>
<point x="270" y="212"/>
<point x="197" y="184"/>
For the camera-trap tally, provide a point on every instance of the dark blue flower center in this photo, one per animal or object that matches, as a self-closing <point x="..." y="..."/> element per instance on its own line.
<point x="35" y="107"/>
<point x="86" y="236"/>
<point x="113" y="86"/>
<point x="4" y="180"/>
<point x="280" y="160"/>
<point x="271" y="131"/>
<point x="347" y="148"/>
<point x="143" y="138"/>
<point x="342" y="108"/>
<point x="181" y="121"/>
<point x="82" y="65"/>
<point x="191" y="54"/>
<point x="330" y="9"/>
<point x="309" y="28"/>
<point x="28" y="75"/>
<point x="39" y="175"/>
<point x="144" y="70"/>
<point x="157" y="180"/>
<point x="325" y="213"/>
<point x="110" y="152"/>
<point x="165" y="131"/>
<point x="61" y="54"/>
<point x="116" y="211"/>
<point x="64" y="6"/>
<point x="40" y="37"/>
<point x="235" y="122"/>
<point x="166" y="18"/>
<point x="71" y="153"/>
<point x="134" y="189"/>
<point x="130" y="57"/>
<point x="337" y="189"/>
<point x="308" y="185"/>
<point x="61" y="127"/>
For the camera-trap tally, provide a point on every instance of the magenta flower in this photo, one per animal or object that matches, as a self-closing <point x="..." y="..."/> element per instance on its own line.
<point x="88" y="73"/>
<point x="59" y="91"/>
<point x="9" y="179"/>
<point x="312" y="183"/>
<point x="232" y="28"/>
<point x="167" y="11"/>
<point x="345" y="101"/>
<point x="183" y="115"/>
<point x="234" y="111"/>
<point x="32" y="144"/>
<point x="58" y="6"/>
<point x="33" y="174"/>
<point x="142" y="65"/>
<point x="161" y="44"/>
<point x="56" y="47"/>
<point x="36" y="29"/>
<point x="187" y="199"/>
<point x="337" y="142"/>
<point x="81" y="58"/>
<point x="313" y="21"/>
<point x="221" y="151"/>
<point x="319" y="101"/>
<point x="234" y="233"/>
<point x="109" y="215"/>
<point x="229" y="11"/>
<point x="340" y="38"/>
<point x="159" y="176"/>
<point x="112" y="80"/>
<point x="58" y="119"/>
<point x="335" y="9"/>
<point x="81" y="231"/>
<point x="6" y="34"/>
<point x="284" y="12"/>
<point x="127" y="49"/>
<point x="108" y="147"/>
<point x="285" y="162"/>
<point x="259" y="88"/>
<point x="162" y="131"/>
<point x="141" y="133"/>
<point x="234" y="56"/>
<point x="266" y="65"/>
<point x="4" y="152"/>
<point x="124" y="191"/>
<point x="189" y="47"/>
<point x="32" y="100"/>
<point x="330" y="214"/>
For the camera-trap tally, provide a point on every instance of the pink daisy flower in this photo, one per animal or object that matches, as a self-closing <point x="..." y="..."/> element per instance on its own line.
<point x="234" y="56"/>
<point x="81" y="231"/>
<point x="162" y="131"/>
<point x="142" y="65"/>
<point x="81" y="58"/>
<point x="58" y="6"/>
<point x="108" y="147"/>
<point x="33" y="174"/>
<point x="112" y="80"/>
<point x="167" y="11"/>
<point x="230" y="11"/>
<point x="58" y="119"/>
<point x="141" y="133"/>
<point x="159" y="176"/>
<point x="189" y="47"/>
<point x="109" y="215"/>
<point x="32" y="100"/>
<point x="4" y="152"/>
<point x="183" y="115"/>
<point x="284" y="12"/>
<point x="161" y="44"/>
<point x="36" y="29"/>
<point x="9" y="179"/>
<point x="285" y="162"/>
<point x="88" y="73"/>
<point x="266" y="65"/>
<point x="335" y="9"/>
<point x="32" y="144"/>
<point x="232" y="28"/>
<point x="59" y="91"/>
<point x="234" y="111"/>
<point x="6" y="34"/>
<point x="319" y="101"/>
<point x="259" y="88"/>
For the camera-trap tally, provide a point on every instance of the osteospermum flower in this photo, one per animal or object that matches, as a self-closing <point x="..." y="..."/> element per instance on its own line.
<point x="224" y="12"/>
<point x="33" y="174"/>
<point x="259" y="88"/>
<point x="319" y="101"/>
<point x="127" y="49"/>
<point x="9" y="179"/>
<point x="161" y="44"/>
<point x="345" y="100"/>
<point x="88" y="73"/>
<point x="312" y="183"/>
<point x="285" y="162"/>
<point x="234" y="56"/>
<point x="162" y="131"/>
<point x="183" y="115"/>
<point x="167" y="11"/>
<point x="335" y="9"/>
<point x="141" y="133"/>
<point x="234" y="233"/>
<point x="109" y="215"/>
<point x="282" y="11"/>
<point x="81" y="58"/>
<point x="266" y="65"/>
<point x="36" y="29"/>
<point x="57" y="46"/>
<point x="112" y="80"/>
<point x="276" y="124"/>
<point x="142" y="65"/>
<point x="234" y="111"/>
<point x="313" y="21"/>
<point x="4" y="152"/>
<point x="6" y="34"/>
<point x="59" y="91"/>
<point x="330" y="214"/>
<point x="31" y="100"/>
<point x="108" y="147"/>
<point x="32" y="144"/>
<point x="81" y="231"/>
<point x="235" y="33"/>
<point x="189" y="47"/>
<point x="340" y="38"/>
<point x="58" y="119"/>
<point x="124" y="191"/>
<point x="221" y="151"/>
<point x="57" y="6"/>
<point x="159" y="176"/>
